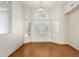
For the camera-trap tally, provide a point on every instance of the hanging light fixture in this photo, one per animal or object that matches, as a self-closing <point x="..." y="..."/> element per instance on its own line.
<point x="40" y="8"/>
<point x="41" y="13"/>
<point x="41" y="4"/>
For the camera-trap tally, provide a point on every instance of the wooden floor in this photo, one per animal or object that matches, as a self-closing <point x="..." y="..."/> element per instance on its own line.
<point x="45" y="49"/>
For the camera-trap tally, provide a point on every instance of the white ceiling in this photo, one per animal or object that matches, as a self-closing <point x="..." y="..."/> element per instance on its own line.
<point x="43" y="3"/>
<point x="49" y="6"/>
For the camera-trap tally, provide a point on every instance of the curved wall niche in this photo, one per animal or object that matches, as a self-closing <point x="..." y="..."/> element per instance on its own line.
<point x="4" y="17"/>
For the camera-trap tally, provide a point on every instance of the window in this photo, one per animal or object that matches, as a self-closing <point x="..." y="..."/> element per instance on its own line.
<point x="40" y="26"/>
<point x="4" y="17"/>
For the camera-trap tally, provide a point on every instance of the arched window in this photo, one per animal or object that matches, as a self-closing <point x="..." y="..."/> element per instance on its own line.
<point x="40" y="24"/>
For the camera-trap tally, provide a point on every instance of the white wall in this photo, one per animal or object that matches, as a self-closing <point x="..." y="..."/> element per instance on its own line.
<point x="73" y="28"/>
<point x="59" y="34"/>
<point x="11" y="41"/>
<point x="55" y="11"/>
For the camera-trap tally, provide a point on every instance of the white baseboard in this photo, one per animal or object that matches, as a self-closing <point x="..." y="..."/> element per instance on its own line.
<point x="53" y="41"/>
<point x="77" y="48"/>
<point x="14" y="50"/>
<point x="58" y="42"/>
